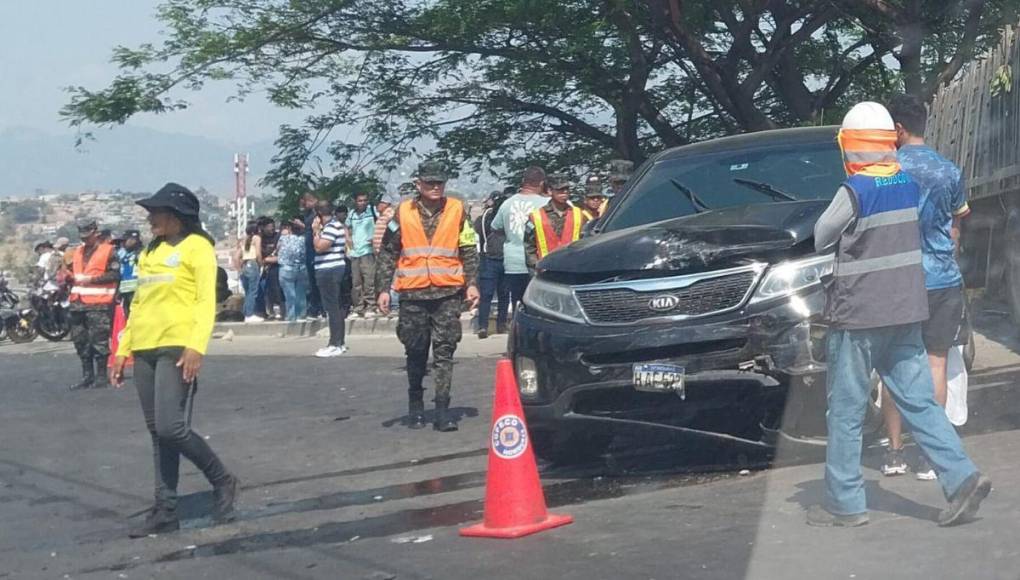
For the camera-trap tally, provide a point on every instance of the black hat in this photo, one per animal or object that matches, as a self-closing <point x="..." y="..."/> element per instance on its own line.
<point x="43" y="244"/>
<point x="174" y="197"/>
<point x="128" y="234"/>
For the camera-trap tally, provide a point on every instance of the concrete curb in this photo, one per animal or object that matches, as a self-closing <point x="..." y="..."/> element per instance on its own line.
<point x="355" y="327"/>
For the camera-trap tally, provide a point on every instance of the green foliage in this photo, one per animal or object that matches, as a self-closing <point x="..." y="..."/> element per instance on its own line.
<point x="498" y="84"/>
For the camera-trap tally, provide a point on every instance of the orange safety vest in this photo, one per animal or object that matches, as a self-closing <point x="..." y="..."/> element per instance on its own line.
<point x="545" y="235"/>
<point x="88" y="292"/>
<point x="436" y="262"/>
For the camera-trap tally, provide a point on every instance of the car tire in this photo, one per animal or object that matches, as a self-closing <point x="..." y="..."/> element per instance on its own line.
<point x="570" y="448"/>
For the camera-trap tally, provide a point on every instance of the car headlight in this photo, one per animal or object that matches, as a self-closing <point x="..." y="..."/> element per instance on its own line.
<point x="789" y="277"/>
<point x="556" y="300"/>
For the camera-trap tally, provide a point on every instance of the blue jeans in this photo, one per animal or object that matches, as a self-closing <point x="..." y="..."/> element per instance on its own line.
<point x="294" y="282"/>
<point x="898" y="355"/>
<point x="492" y="282"/>
<point x="250" y="283"/>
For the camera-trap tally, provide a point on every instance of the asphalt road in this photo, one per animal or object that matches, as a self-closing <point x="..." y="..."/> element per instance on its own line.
<point x="336" y="487"/>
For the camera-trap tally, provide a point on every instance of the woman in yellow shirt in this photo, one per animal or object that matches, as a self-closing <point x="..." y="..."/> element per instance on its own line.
<point x="171" y="320"/>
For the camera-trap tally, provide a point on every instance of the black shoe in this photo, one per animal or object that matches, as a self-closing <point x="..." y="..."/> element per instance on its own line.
<point x="924" y="471"/>
<point x="483" y="333"/>
<point x="822" y="518"/>
<point x="894" y="463"/>
<point x="416" y="414"/>
<point x="159" y="521"/>
<point x="88" y="377"/>
<point x="965" y="503"/>
<point x="444" y="421"/>
<point x="225" y="495"/>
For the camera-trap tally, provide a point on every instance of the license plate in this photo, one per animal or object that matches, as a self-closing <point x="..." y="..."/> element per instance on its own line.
<point x="660" y="378"/>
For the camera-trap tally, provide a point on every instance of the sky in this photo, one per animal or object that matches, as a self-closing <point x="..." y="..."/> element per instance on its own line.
<point x="47" y="45"/>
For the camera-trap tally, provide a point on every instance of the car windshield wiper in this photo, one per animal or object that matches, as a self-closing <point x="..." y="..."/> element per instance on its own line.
<point x="766" y="188"/>
<point x="699" y="206"/>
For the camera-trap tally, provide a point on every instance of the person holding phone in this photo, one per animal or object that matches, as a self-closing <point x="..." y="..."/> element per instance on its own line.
<point x="171" y="321"/>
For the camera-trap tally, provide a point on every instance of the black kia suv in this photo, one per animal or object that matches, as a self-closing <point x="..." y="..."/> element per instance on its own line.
<point x="695" y="302"/>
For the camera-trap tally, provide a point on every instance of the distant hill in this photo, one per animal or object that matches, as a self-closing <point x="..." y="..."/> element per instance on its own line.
<point x="126" y="158"/>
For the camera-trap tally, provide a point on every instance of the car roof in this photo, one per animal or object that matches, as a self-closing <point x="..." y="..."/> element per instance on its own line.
<point x="750" y="140"/>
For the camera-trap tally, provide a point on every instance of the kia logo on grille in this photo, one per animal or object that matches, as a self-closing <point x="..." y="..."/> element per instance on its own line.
<point x="663" y="303"/>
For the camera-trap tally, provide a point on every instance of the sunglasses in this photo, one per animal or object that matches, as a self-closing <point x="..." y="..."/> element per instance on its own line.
<point x="432" y="184"/>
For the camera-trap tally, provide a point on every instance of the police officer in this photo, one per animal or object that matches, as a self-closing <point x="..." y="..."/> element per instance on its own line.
<point x="553" y="225"/>
<point x="429" y="256"/>
<point x="620" y="171"/>
<point x="95" y="273"/>
<point x="594" y="198"/>
<point x="127" y="255"/>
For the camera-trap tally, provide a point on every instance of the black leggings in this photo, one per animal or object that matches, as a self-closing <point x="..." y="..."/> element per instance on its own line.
<point x="167" y="403"/>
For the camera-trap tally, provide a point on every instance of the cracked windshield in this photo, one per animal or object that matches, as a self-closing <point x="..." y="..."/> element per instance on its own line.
<point x="522" y="289"/>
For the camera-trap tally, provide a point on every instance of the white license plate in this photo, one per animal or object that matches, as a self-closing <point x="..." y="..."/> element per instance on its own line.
<point x="660" y="378"/>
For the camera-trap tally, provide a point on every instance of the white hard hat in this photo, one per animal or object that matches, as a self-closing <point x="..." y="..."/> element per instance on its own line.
<point x="868" y="115"/>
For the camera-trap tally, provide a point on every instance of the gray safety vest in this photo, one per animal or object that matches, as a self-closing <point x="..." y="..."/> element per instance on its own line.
<point x="878" y="278"/>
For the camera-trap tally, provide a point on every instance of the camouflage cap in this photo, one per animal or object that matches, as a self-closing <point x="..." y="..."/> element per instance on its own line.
<point x="559" y="180"/>
<point x="593" y="187"/>
<point x="620" y="169"/>
<point x="432" y="171"/>
<point x="87" y="225"/>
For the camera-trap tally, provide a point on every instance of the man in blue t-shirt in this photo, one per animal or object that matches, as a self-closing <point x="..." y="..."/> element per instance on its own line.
<point x="943" y="204"/>
<point x="511" y="219"/>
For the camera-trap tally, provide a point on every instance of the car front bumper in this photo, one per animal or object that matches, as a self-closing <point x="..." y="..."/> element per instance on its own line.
<point x="738" y="364"/>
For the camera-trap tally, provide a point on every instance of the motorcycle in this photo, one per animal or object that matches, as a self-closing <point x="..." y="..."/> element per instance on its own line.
<point x="51" y="317"/>
<point x="19" y="324"/>
<point x="8" y="299"/>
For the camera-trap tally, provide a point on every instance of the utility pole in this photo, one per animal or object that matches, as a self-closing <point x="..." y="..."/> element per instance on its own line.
<point x="241" y="209"/>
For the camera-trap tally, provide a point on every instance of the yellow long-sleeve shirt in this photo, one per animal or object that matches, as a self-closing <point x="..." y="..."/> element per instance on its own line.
<point x="175" y="304"/>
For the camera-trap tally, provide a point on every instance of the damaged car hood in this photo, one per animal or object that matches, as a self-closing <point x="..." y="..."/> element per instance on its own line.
<point x="710" y="240"/>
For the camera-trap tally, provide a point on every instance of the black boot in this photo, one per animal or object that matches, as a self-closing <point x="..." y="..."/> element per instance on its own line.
<point x="444" y="421"/>
<point x="161" y="520"/>
<point x="415" y="410"/>
<point x="102" y="381"/>
<point x="226" y="494"/>
<point x="88" y="376"/>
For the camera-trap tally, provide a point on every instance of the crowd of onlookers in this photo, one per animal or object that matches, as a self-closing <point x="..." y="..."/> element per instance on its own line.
<point x="323" y="259"/>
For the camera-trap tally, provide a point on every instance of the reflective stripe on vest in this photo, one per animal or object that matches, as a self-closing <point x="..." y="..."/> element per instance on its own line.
<point x="545" y="236"/>
<point x="878" y="276"/>
<point x="155" y="279"/>
<point x="90" y="293"/>
<point x="428" y="263"/>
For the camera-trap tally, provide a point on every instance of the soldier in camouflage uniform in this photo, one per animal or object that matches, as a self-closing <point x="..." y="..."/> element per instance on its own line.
<point x="558" y="212"/>
<point x="433" y="263"/>
<point x="91" y="304"/>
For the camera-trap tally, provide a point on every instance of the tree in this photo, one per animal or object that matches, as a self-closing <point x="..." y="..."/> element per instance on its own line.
<point x="26" y="212"/>
<point x="501" y="83"/>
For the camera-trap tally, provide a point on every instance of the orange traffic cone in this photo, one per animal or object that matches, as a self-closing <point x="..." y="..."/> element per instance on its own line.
<point x="119" y="322"/>
<point x="514" y="502"/>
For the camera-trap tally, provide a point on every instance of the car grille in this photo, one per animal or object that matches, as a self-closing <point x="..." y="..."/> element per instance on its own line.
<point x="625" y="305"/>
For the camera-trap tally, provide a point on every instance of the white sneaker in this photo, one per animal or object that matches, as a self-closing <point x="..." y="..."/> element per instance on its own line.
<point x="253" y="318"/>
<point x="330" y="351"/>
